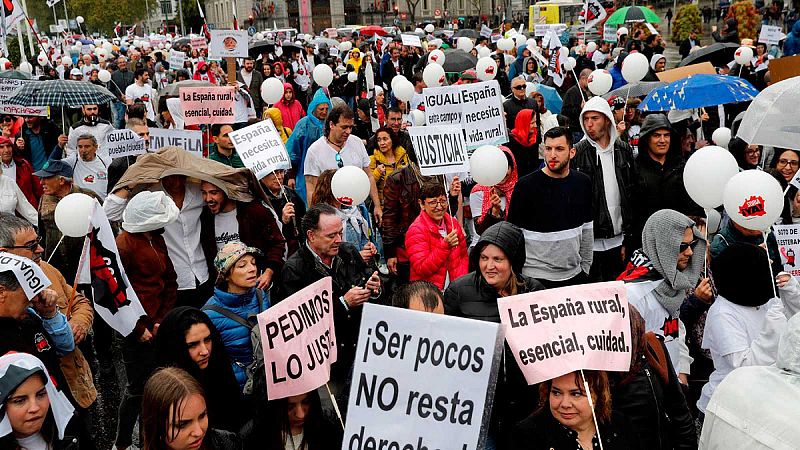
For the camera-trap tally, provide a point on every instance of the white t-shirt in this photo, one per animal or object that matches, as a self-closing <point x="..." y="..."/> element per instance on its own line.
<point x="33" y="442"/>
<point x="226" y="228"/>
<point x="301" y="74"/>
<point x="243" y="107"/>
<point x="9" y="170"/>
<point x="13" y="199"/>
<point x="92" y="175"/>
<point x="145" y="92"/>
<point x="321" y="156"/>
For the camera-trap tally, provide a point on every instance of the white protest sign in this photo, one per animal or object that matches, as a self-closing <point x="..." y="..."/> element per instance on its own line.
<point x="261" y="148"/>
<point x="7" y="88"/>
<point x="540" y="29"/>
<point x="176" y="59"/>
<point x="478" y="107"/>
<point x="29" y="275"/>
<point x="189" y="140"/>
<point x="486" y="31"/>
<point x="788" y="237"/>
<point x="770" y="34"/>
<point x="228" y="44"/>
<point x="440" y="149"/>
<point x="411" y="40"/>
<point x="124" y="143"/>
<point x="610" y="33"/>
<point x="421" y="381"/>
<point x="299" y="341"/>
<point x="558" y="331"/>
<point x="198" y="43"/>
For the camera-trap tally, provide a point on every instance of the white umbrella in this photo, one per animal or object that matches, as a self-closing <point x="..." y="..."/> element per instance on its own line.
<point x="771" y="118"/>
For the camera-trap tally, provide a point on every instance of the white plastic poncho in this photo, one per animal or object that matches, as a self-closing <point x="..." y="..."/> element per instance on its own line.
<point x="148" y="211"/>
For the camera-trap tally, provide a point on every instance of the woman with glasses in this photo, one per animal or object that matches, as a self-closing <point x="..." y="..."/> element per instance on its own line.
<point x="435" y="242"/>
<point x="786" y="162"/>
<point x="747" y="156"/>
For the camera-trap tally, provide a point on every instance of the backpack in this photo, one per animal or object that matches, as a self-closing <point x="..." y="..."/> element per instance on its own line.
<point x="251" y="323"/>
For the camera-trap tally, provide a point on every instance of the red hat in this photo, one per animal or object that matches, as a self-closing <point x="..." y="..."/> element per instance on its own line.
<point x="5" y="141"/>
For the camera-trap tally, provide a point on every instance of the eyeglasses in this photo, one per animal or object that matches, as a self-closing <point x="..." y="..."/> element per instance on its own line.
<point x="32" y="246"/>
<point x="339" y="161"/>
<point x="520" y="87"/>
<point x="786" y="162"/>
<point x="686" y="245"/>
<point x="441" y="202"/>
<point x="752" y="152"/>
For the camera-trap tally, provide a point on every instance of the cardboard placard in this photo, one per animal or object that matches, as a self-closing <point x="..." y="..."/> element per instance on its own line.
<point x="440" y="149"/>
<point x="7" y="88"/>
<point x="228" y="44"/>
<point x="411" y="40"/>
<point x="788" y="237"/>
<point x="784" y="68"/>
<point x="668" y="76"/>
<point x="176" y="59"/>
<point x="540" y="29"/>
<point x="610" y="33"/>
<point x="770" y="34"/>
<point x="29" y="275"/>
<point x="261" y="148"/>
<point x="198" y="43"/>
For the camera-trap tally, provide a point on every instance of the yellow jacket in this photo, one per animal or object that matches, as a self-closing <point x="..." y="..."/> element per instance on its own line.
<point x="378" y="158"/>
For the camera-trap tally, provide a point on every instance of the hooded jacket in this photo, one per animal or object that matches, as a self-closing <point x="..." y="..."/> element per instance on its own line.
<point x="611" y="201"/>
<point x="522" y="145"/>
<point x="517" y="67"/>
<point x="277" y="118"/>
<point x="305" y="133"/>
<point x="792" y="44"/>
<point x="292" y="111"/>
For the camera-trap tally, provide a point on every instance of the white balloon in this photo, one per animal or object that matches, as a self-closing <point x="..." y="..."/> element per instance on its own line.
<point x="488" y="165"/>
<point x="77" y="48"/>
<point x="429" y="28"/>
<point x="433" y="75"/>
<point x="600" y="82"/>
<point x="531" y="43"/>
<point x="345" y="46"/>
<point x="505" y="44"/>
<point x="404" y="90"/>
<point x="713" y="219"/>
<point x="484" y="52"/>
<point x="350" y="185"/>
<point x="397" y="79"/>
<point x="753" y="199"/>
<point x="721" y="136"/>
<point x="519" y="40"/>
<point x="101" y="53"/>
<point x="42" y="59"/>
<point x="418" y="118"/>
<point x="418" y="30"/>
<point x="635" y="67"/>
<point x="352" y="76"/>
<point x="436" y="57"/>
<point x="108" y="46"/>
<point x="465" y="43"/>
<point x="26" y="67"/>
<point x="259" y="36"/>
<point x="570" y="64"/>
<point x="706" y="173"/>
<point x="272" y="90"/>
<point x="168" y="45"/>
<point x="79" y="19"/>
<point x="743" y="55"/>
<point x="486" y="68"/>
<point x="323" y="75"/>
<point x="104" y="76"/>
<point x="590" y="47"/>
<point x="67" y="61"/>
<point x="74" y="214"/>
<point x="622" y="31"/>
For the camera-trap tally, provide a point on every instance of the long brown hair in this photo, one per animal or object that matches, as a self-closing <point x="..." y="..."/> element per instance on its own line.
<point x="322" y="190"/>
<point x="598" y="385"/>
<point x="168" y="388"/>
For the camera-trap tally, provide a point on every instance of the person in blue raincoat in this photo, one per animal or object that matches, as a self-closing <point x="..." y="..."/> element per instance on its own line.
<point x="307" y="130"/>
<point x="517" y="68"/>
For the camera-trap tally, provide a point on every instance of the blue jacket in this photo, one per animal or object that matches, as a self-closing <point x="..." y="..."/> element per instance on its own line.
<point x="306" y="131"/>
<point x="235" y="336"/>
<point x="616" y="75"/>
<point x="517" y="67"/>
<point x="792" y="44"/>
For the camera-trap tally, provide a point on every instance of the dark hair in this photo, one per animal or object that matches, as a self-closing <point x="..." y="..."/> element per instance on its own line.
<point x="338" y="112"/>
<point x="395" y="110"/>
<point x="777" y="155"/>
<point x="49" y="430"/>
<point x="557" y="132"/>
<point x="137" y="111"/>
<point x="431" y="189"/>
<point x="598" y="385"/>
<point x="427" y="292"/>
<point x="388" y="130"/>
<point x="216" y="128"/>
<point x="9" y="281"/>
<point x="417" y="78"/>
<point x="139" y="72"/>
<point x="310" y="221"/>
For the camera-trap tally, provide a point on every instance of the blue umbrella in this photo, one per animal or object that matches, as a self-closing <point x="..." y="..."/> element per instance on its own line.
<point x="552" y="101"/>
<point x="697" y="91"/>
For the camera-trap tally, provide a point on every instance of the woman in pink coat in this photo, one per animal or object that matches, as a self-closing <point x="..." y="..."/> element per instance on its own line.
<point x="291" y="109"/>
<point x="435" y="243"/>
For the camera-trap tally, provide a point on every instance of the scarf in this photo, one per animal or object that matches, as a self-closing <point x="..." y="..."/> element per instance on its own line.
<point x="522" y="127"/>
<point x="506" y="187"/>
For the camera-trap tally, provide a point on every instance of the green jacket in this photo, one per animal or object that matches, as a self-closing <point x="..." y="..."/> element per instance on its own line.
<point x="233" y="161"/>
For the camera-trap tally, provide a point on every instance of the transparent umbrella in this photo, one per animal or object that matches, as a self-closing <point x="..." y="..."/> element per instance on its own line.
<point x="771" y="118"/>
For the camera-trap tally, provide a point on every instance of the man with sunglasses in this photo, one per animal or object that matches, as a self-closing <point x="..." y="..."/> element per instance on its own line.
<point x="517" y="102"/>
<point x="670" y="262"/>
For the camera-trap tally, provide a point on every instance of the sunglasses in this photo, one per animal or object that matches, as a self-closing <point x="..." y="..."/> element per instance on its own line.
<point x="8" y="119"/>
<point x="339" y="161"/>
<point x="686" y="245"/>
<point x="518" y="87"/>
<point x="32" y="246"/>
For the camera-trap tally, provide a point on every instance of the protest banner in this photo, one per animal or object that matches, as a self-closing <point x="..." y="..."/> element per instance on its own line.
<point x="29" y="275"/>
<point x="485" y="31"/>
<point x="411" y="40"/>
<point x="770" y="34"/>
<point x="228" y="44"/>
<point x="788" y="237"/>
<point x="421" y="381"/>
<point x="123" y="143"/>
<point x="558" y="331"/>
<point x="7" y="88"/>
<point x="198" y="43"/>
<point x="541" y="29"/>
<point x="189" y="140"/>
<point x="299" y="341"/>
<point x="207" y="105"/>
<point x="477" y="107"/>
<point x="261" y="148"/>
<point x="176" y="59"/>
<point x="440" y="149"/>
<point x="610" y="33"/>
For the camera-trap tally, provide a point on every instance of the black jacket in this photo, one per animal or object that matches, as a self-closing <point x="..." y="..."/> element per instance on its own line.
<point x="121" y="80"/>
<point x="587" y="161"/>
<point x="254" y="88"/>
<point x="658" y="415"/>
<point x="291" y="231"/>
<point x="29" y="336"/>
<point x="222" y="440"/>
<point x="513" y="106"/>
<point x="48" y="132"/>
<point x="541" y="431"/>
<point x="573" y="104"/>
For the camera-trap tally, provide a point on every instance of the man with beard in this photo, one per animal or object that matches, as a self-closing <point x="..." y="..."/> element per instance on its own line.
<point x="90" y="124"/>
<point x="252" y="79"/>
<point x="141" y="89"/>
<point x="553" y="206"/>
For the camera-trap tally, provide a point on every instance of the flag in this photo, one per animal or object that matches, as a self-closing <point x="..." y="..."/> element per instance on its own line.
<point x="114" y="298"/>
<point x="592" y="13"/>
<point x="14" y="13"/>
<point x="206" y="33"/>
<point x="235" y="20"/>
<point x="555" y="64"/>
<point x="118" y="28"/>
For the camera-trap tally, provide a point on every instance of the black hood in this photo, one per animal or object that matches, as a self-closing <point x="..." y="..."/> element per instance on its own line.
<point x="506" y="236"/>
<point x="742" y="276"/>
<point x="652" y="123"/>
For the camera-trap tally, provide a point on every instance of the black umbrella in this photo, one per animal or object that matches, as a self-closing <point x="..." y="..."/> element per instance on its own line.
<point x="718" y="54"/>
<point x="181" y="41"/>
<point x="258" y="47"/>
<point x="637" y="89"/>
<point x="289" y="47"/>
<point x="472" y="34"/>
<point x="458" y="60"/>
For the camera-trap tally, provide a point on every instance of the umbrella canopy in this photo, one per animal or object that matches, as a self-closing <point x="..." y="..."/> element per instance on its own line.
<point x="327" y="41"/>
<point x="718" y="54"/>
<point x="15" y="74"/>
<point x="697" y="91"/>
<point x="174" y="88"/>
<point x="552" y="101"/>
<point x="258" y="47"/>
<point x="458" y="60"/>
<point x="771" y="119"/>
<point x="72" y="94"/>
<point x="288" y="46"/>
<point x="372" y="29"/>
<point x="472" y="34"/>
<point x="181" y="41"/>
<point x="633" y="14"/>
<point x="637" y="89"/>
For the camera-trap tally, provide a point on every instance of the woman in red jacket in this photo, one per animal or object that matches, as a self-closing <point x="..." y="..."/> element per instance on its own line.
<point x="21" y="170"/>
<point x="435" y="243"/>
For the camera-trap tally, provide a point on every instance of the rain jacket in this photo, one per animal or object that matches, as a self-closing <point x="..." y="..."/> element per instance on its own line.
<point x="517" y="68"/>
<point x="432" y="259"/>
<point x="291" y="112"/>
<point x="305" y="133"/>
<point x="792" y="44"/>
<point x="378" y="158"/>
<point x="277" y="118"/>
